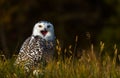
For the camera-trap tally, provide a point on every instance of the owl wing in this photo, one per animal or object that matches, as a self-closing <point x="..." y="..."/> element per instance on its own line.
<point x="30" y="52"/>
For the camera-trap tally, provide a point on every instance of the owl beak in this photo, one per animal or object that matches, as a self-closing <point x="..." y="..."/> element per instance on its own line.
<point x="44" y="32"/>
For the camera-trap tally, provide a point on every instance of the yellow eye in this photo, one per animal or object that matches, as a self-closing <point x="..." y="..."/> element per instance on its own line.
<point x="40" y="26"/>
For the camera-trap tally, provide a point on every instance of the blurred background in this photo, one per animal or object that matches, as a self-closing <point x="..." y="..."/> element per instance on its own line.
<point x="91" y="20"/>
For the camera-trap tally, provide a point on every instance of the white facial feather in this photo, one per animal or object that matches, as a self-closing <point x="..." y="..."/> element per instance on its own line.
<point x="44" y="29"/>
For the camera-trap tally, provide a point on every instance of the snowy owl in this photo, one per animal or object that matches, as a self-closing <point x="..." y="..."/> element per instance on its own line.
<point x="38" y="47"/>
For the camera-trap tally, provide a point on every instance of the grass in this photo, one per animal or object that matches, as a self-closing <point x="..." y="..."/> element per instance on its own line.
<point x="89" y="65"/>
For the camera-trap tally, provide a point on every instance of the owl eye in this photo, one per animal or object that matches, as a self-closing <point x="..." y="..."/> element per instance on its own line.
<point x="48" y="26"/>
<point x="40" y="26"/>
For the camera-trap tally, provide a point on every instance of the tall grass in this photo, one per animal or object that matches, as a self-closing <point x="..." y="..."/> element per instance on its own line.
<point x="89" y="65"/>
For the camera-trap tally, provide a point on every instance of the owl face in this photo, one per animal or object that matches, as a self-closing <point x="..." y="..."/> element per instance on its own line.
<point x="44" y="29"/>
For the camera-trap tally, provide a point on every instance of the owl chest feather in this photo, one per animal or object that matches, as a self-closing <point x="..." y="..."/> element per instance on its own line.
<point x="44" y="49"/>
<point x="34" y="51"/>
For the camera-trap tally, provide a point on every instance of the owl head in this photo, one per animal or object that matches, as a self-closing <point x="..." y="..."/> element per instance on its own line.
<point x="44" y="29"/>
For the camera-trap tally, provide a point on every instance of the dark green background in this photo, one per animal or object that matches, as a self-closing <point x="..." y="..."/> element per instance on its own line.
<point x="99" y="19"/>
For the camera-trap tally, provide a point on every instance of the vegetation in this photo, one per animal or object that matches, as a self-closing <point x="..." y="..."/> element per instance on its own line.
<point x="89" y="65"/>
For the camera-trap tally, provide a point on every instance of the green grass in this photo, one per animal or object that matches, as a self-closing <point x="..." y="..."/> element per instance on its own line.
<point x="89" y="65"/>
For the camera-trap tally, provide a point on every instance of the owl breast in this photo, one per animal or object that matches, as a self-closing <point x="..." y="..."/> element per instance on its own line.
<point x="48" y="50"/>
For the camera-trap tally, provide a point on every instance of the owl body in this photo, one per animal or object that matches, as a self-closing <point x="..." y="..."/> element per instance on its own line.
<point x="37" y="48"/>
